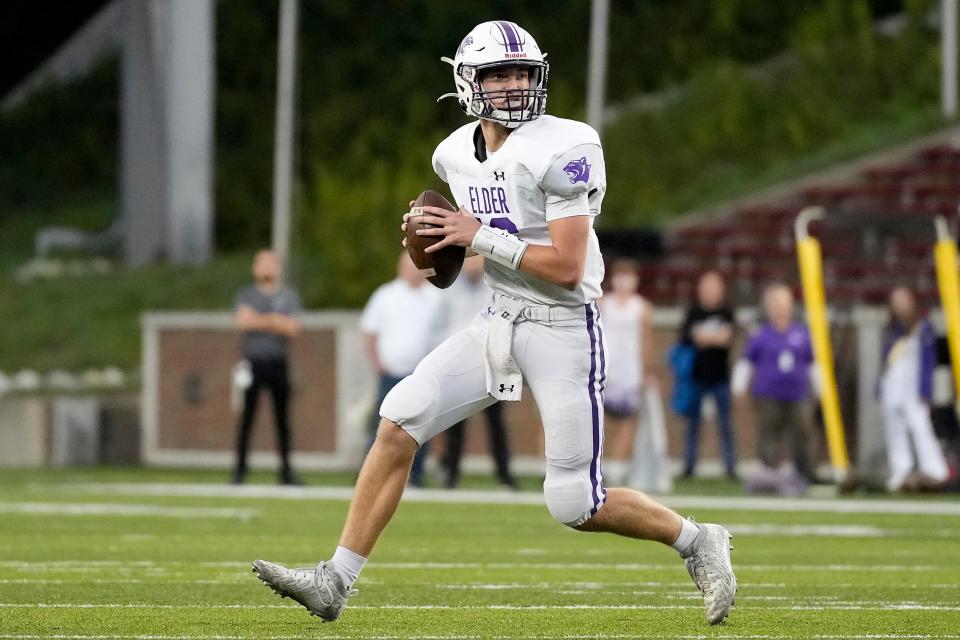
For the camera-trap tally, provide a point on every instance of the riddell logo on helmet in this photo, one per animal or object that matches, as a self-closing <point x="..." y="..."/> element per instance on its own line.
<point x="515" y="55"/>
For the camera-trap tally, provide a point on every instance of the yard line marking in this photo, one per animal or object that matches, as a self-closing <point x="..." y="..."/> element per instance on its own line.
<point x="84" y="566"/>
<point x="885" y="636"/>
<point x="467" y="496"/>
<point x="802" y="531"/>
<point x="828" y="605"/>
<point x="152" y="581"/>
<point x="115" y="509"/>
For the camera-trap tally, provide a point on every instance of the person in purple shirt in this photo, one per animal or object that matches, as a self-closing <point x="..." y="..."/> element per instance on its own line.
<point x="779" y="357"/>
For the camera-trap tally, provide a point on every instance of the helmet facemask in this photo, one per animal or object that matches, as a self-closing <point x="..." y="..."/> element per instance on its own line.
<point x="516" y="106"/>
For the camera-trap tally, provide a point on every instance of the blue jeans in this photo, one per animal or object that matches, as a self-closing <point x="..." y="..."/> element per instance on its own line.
<point x="721" y="395"/>
<point x="388" y="382"/>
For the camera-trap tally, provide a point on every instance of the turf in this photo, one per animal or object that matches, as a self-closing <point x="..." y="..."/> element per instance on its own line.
<point x="179" y="568"/>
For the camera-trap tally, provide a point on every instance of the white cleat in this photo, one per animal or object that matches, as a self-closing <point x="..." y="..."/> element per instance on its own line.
<point x="709" y="566"/>
<point x="319" y="589"/>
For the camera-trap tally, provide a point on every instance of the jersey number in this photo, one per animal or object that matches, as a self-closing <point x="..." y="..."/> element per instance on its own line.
<point x="504" y="223"/>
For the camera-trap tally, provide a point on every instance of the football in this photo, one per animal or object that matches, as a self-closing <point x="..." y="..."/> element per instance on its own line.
<point x="442" y="267"/>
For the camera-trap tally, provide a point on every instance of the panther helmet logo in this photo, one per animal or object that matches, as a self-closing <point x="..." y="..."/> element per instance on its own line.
<point x="578" y="170"/>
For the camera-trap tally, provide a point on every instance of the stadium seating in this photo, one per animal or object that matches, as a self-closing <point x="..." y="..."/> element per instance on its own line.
<point x="878" y="233"/>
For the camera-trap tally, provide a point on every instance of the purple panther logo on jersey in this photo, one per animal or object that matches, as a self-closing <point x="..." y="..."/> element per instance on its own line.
<point x="578" y="170"/>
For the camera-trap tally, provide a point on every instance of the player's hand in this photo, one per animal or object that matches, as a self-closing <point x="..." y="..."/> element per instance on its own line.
<point x="403" y="226"/>
<point x="457" y="228"/>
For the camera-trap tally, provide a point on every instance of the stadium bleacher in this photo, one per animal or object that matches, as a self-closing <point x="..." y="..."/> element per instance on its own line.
<point x="878" y="233"/>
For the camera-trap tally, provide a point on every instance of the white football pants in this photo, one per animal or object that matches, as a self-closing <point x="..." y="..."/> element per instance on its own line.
<point x="563" y="364"/>
<point x="908" y="420"/>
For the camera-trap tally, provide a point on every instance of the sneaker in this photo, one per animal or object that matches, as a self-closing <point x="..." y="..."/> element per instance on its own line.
<point x="320" y="590"/>
<point x="709" y="566"/>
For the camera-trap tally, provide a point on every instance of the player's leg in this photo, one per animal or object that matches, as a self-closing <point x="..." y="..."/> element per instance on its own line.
<point x="453" y="453"/>
<point x="449" y="385"/>
<point x="721" y="395"/>
<point x="564" y="367"/>
<point x="899" y="456"/>
<point x="499" y="444"/>
<point x="379" y="487"/>
<point x="250" y="397"/>
<point x="280" y="395"/>
<point x="768" y="431"/>
<point x="692" y="439"/>
<point x="930" y="459"/>
<point x="621" y="429"/>
<point x="801" y="437"/>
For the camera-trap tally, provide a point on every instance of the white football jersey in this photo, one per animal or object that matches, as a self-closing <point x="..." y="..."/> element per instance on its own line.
<point x="547" y="169"/>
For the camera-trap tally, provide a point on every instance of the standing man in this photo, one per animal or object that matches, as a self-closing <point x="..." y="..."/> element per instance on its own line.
<point x="395" y="325"/>
<point x="265" y="313"/>
<point x="529" y="186"/>
<point x="458" y="307"/>
<point x="709" y="328"/>
<point x="779" y="359"/>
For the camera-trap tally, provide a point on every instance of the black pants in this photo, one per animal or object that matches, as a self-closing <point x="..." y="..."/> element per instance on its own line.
<point x="272" y="375"/>
<point x="498" y="446"/>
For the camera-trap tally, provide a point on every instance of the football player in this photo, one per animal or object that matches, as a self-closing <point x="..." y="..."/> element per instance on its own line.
<point x="529" y="186"/>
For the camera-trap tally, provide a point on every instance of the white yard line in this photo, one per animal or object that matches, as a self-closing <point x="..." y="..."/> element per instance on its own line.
<point x="598" y="636"/>
<point x="119" y="509"/>
<point x="91" y="566"/>
<point x="842" y="505"/>
<point x="821" y="606"/>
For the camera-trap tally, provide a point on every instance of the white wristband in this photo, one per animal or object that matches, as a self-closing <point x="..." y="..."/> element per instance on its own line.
<point x="499" y="246"/>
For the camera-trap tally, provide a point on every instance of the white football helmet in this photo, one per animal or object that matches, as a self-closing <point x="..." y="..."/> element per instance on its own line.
<point x="499" y="44"/>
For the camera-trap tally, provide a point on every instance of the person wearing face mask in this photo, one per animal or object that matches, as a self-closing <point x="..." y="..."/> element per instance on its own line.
<point x="779" y="359"/>
<point x="906" y="386"/>
<point x="629" y="337"/>
<point x="709" y="329"/>
<point x="266" y="314"/>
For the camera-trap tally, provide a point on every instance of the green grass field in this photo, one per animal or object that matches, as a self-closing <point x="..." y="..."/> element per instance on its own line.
<point x="97" y="555"/>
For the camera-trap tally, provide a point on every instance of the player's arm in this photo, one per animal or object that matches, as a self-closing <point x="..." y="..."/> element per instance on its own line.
<point x="563" y="260"/>
<point x="370" y="342"/>
<point x="248" y="319"/>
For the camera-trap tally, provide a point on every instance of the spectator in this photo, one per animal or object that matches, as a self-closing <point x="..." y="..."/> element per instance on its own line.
<point x="709" y="328"/>
<point x="265" y="313"/>
<point x="395" y="323"/>
<point x="458" y="307"/>
<point x="779" y="357"/>
<point x="906" y="386"/>
<point x="626" y="322"/>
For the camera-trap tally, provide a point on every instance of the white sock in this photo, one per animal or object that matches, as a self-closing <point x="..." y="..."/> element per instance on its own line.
<point x="348" y="565"/>
<point x="688" y="535"/>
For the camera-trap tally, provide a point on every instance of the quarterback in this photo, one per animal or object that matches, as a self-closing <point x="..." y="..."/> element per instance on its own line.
<point x="529" y="186"/>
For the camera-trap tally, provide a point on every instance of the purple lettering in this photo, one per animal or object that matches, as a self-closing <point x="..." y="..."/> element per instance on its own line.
<point x="474" y="201"/>
<point x="503" y="200"/>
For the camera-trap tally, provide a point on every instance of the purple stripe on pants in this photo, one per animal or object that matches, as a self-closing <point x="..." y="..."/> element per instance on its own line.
<point x="595" y="410"/>
<point x="603" y="380"/>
